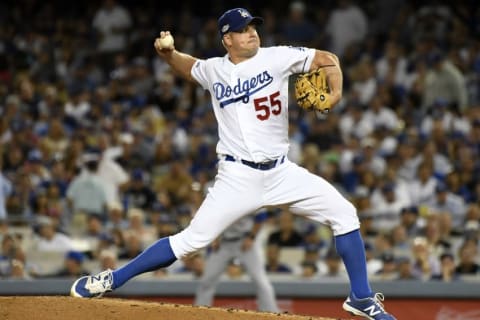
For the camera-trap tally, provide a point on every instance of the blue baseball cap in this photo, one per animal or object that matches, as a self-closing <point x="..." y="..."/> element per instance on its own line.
<point x="75" y="256"/>
<point x="235" y="20"/>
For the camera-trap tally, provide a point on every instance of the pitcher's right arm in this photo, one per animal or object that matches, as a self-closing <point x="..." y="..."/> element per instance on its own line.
<point x="180" y="62"/>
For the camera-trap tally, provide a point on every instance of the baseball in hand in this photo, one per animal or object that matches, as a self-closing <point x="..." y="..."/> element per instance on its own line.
<point x="166" y="42"/>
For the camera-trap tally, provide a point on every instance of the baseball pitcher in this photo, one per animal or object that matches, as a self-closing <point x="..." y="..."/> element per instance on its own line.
<point x="249" y="94"/>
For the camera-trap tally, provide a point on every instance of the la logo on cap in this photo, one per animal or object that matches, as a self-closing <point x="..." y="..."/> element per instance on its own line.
<point x="225" y="28"/>
<point x="243" y="13"/>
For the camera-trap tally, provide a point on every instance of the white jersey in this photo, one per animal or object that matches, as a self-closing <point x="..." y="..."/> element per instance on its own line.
<point x="250" y="100"/>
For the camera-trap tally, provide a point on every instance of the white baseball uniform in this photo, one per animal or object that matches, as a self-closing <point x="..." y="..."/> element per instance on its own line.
<point x="250" y="102"/>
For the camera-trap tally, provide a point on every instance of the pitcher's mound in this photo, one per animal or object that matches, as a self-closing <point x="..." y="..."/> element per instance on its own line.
<point x="61" y="308"/>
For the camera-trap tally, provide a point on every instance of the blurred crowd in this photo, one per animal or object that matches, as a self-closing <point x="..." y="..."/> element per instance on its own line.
<point x="104" y="150"/>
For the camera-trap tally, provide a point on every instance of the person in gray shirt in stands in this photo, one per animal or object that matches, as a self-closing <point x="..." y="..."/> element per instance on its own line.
<point x="86" y="194"/>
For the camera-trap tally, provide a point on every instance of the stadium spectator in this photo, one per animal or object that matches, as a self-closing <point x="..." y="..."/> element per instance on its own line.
<point x="86" y="193"/>
<point x="94" y="226"/>
<point x="56" y="205"/>
<point x="365" y="85"/>
<point x="411" y="221"/>
<point x="142" y="79"/>
<point x="112" y="22"/>
<point x="165" y="225"/>
<point x="133" y="246"/>
<point x="286" y="235"/>
<point x="438" y="230"/>
<point x="387" y="206"/>
<point x="389" y="270"/>
<point x="352" y="178"/>
<point x="273" y="263"/>
<point x="367" y="227"/>
<point x="19" y="270"/>
<point x="77" y="106"/>
<point x="311" y="157"/>
<point x="375" y="163"/>
<point x="108" y="260"/>
<point x="400" y="241"/>
<point x="55" y="140"/>
<point x="467" y="264"/>
<point x="391" y="68"/>
<point x="311" y="237"/>
<point x="347" y="25"/>
<point x="457" y="186"/>
<point x="310" y="265"/>
<point x="425" y="262"/>
<point x="438" y="116"/>
<point x="353" y="123"/>
<point x="404" y="267"/>
<point x="18" y="205"/>
<point x="333" y="266"/>
<point x="374" y="263"/>
<point x="382" y="244"/>
<point x="324" y="133"/>
<point x="116" y="217"/>
<point x="138" y="193"/>
<point x="35" y="168"/>
<point x="447" y="268"/>
<point x="177" y="183"/>
<point x="298" y="29"/>
<point x="73" y="266"/>
<point x="7" y="254"/>
<point x="137" y="225"/>
<point x="49" y="239"/>
<point x="166" y="95"/>
<point x="380" y="113"/>
<point x="422" y="188"/>
<point x="13" y="159"/>
<point x="444" y="80"/>
<point x="113" y="175"/>
<point x="446" y="201"/>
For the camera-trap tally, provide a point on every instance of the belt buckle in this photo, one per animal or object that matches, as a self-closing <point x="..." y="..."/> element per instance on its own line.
<point x="271" y="164"/>
<point x="267" y="165"/>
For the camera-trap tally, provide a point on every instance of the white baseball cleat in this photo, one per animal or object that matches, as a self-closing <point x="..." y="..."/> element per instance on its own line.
<point x="92" y="286"/>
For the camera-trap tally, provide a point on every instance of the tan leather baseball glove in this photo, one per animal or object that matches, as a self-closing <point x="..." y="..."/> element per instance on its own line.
<point x="311" y="91"/>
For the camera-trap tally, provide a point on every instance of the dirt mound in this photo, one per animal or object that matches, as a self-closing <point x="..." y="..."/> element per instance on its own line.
<point x="61" y="308"/>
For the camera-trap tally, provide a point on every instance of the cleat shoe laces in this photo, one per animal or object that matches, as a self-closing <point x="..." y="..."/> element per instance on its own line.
<point x="370" y="308"/>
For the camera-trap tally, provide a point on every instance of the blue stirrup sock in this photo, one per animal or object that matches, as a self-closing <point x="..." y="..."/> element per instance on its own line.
<point x="352" y="250"/>
<point x="156" y="256"/>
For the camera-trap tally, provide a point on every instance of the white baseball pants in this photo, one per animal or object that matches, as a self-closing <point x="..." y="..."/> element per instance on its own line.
<point x="239" y="190"/>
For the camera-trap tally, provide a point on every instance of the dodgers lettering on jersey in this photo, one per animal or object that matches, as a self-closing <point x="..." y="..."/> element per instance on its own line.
<point x="250" y="100"/>
<point x="242" y="90"/>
